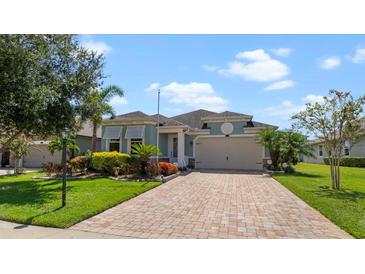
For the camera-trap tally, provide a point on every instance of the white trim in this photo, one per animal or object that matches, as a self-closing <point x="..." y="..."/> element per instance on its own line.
<point x="129" y="144"/>
<point x="205" y="132"/>
<point x="171" y="129"/>
<point x="108" y="141"/>
<point x="181" y="149"/>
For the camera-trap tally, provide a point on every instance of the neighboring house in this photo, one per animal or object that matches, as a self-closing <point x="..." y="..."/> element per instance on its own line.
<point x="207" y="139"/>
<point x="356" y="150"/>
<point x="39" y="153"/>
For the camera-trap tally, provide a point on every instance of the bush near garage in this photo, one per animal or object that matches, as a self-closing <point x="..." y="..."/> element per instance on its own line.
<point x="106" y="161"/>
<point x="349" y="161"/>
<point x="80" y="163"/>
<point x="167" y="169"/>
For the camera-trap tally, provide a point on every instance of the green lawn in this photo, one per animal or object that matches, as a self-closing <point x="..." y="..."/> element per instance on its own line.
<point x="37" y="201"/>
<point x="345" y="207"/>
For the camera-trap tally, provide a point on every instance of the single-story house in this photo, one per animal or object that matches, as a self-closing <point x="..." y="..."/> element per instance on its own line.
<point x="39" y="153"/>
<point x="203" y="138"/>
<point x="355" y="150"/>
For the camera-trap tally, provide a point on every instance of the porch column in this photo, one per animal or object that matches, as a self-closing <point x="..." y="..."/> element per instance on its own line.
<point x="180" y="148"/>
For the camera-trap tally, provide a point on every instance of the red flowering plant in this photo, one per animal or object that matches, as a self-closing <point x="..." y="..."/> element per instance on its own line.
<point x="167" y="169"/>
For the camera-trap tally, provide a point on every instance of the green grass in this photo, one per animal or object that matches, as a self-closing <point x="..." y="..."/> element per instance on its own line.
<point x="345" y="207"/>
<point x="38" y="201"/>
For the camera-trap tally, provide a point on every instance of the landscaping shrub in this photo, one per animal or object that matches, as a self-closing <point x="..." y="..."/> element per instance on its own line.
<point x="349" y="161"/>
<point x="106" y="161"/>
<point x="152" y="170"/>
<point x="52" y="168"/>
<point x="81" y="163"/>
<point x="167" y="169"/>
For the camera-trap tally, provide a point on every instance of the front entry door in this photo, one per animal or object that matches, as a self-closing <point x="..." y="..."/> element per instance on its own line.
<point x="174" y="147"/>
<point x="5" y="159"/>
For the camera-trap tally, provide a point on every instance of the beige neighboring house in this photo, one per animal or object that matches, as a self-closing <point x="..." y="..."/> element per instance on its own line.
<point x="39" y="153"/>
<point x="356" y="150"/>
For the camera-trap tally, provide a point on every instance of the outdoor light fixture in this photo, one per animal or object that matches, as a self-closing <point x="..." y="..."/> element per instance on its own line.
<point x="65" y="135"/>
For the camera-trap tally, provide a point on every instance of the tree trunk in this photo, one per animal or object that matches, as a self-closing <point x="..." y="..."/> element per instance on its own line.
<point x="94" y="138"/>
<point x="16" y="168"/>
<point x="332" y="171"/>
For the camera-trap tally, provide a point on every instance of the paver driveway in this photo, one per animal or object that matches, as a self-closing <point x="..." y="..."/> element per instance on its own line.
<point x="215" y="205"/>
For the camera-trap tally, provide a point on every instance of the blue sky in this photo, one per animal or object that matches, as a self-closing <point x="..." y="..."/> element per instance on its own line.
<point x="268" y="76"/>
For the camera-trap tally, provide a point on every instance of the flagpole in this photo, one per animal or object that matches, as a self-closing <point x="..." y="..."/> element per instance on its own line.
<point x="158" y="123"/>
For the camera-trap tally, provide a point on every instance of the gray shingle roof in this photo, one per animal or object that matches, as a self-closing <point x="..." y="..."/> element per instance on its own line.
<point x="259" y="124"/>
<point x="167" y="122"/>
<point x="226" y="114"/>
<point x="193" y="118"/>
<point x="134" y="114"/>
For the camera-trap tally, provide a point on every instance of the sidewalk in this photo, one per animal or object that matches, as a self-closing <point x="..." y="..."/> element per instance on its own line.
<point x="19" y="231"/>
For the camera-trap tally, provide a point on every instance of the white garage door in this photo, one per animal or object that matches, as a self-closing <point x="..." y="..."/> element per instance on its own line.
<point x="228" y="153"/>
<point x="40" y="155"/>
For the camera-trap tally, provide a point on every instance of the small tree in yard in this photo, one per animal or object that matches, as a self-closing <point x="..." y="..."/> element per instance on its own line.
<point x="19" y="147"/>
<point x="335" y="121"/>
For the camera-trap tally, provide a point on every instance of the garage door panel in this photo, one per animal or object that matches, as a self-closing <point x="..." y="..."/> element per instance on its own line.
<point x="228" y="153"/>
<point x="39" y="155"/>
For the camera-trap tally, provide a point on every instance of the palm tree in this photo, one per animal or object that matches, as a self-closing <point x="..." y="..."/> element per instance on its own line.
<point x="144" y="152"/>
<point x="293" y="145"/>
<point x="97" y="104"/>
<point x="271" y="138"/>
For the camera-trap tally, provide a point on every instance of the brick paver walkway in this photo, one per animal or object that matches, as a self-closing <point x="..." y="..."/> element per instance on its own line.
<point x="215" y="205"/>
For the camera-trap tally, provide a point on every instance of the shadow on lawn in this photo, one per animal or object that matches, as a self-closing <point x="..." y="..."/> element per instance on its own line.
<point x="300" y="174"/>
<point x="30" y="192"/>
<point x="29" y="220"/>
<point x="343" y="194"/>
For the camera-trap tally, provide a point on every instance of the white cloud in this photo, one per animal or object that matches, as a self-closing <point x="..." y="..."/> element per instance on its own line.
<point x="117" y="101"/>
<point x="152" y="87"/>
<point x="330" y="63"/>
<point x="194" y="95"/>
<point x="359" y="57"/>
<point x="99" y="47"/>
<point x="282" y="52"/>
<point x="284" y="110"/>
<point x="210" y="68"/>
<point x="310" y="98"/>
<point x="280" y="85"/>
<point x="256" y="65"/>
<point x="254" y="55"/>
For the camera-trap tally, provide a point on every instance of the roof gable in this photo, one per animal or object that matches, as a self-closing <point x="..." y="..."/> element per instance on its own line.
<point x="227" y="114"/>
<point x="167" y="122"/>
<point x="132" y="115"/>
<point x="193" y="118"/>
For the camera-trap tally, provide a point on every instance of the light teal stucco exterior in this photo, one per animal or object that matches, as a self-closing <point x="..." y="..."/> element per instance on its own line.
<point x="215" y="128"/>
<point x="189" y="140"/>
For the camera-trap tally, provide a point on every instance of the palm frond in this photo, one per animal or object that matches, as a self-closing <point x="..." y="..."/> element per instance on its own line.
<point x="110" y="91"/>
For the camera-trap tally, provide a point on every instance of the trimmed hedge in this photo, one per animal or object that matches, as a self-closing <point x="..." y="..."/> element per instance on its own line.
<point x="349" y="161"/>
<point x="106" y="161"/>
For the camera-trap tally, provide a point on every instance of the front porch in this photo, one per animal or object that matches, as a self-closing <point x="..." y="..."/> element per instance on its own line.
<point x="172" y="146"/>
